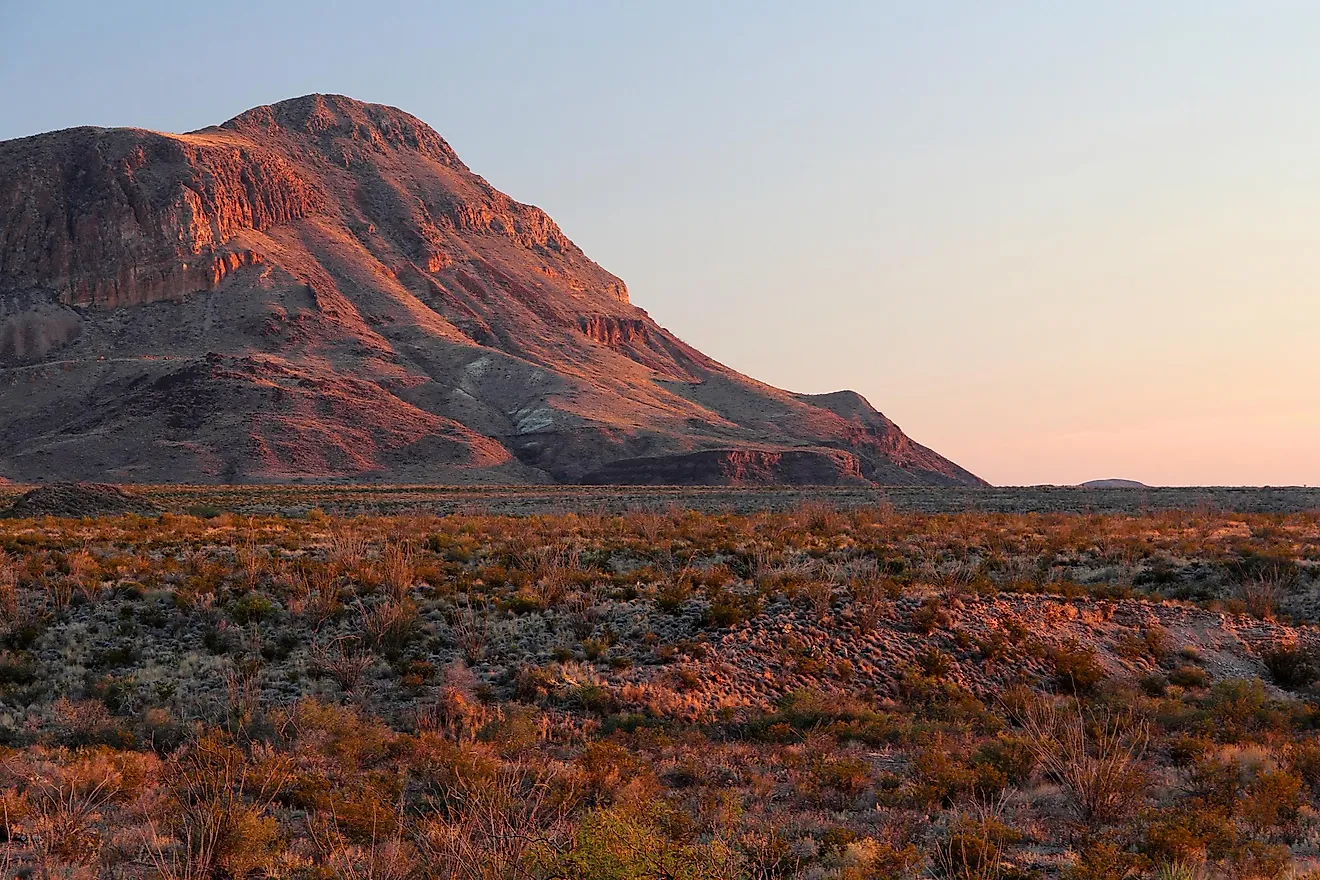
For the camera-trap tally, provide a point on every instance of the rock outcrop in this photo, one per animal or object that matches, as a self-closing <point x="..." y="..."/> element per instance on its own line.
<point x="735" y="467"/>
<point x="321" y="289"/>
<point x="123" y="217"/>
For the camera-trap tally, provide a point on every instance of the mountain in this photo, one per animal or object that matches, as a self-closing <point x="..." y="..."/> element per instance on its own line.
<point x="1113" y="484"/>
<point x="321" y="290"/>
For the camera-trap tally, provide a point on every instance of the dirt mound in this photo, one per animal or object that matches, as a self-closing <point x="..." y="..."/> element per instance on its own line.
<point x="77" y="500"/>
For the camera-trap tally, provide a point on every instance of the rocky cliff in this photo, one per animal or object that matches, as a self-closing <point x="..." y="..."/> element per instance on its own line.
<point x="322" y="290"/>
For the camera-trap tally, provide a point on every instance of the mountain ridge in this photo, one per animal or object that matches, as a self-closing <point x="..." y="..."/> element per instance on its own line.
<point x="321" y="289"/>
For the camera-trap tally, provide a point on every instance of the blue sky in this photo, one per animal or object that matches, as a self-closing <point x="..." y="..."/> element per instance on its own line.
<point x="1054" y="241"/>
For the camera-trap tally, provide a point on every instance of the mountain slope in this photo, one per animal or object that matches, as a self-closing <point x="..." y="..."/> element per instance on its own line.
<point x="321" y="289"/>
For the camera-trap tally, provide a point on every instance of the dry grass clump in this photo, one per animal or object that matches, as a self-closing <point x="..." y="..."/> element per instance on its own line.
<point x="1099" y="758"/>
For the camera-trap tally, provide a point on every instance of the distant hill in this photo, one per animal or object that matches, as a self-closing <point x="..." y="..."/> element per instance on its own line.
<point x="1113" y="484"/>
<point x="321" y="289"/>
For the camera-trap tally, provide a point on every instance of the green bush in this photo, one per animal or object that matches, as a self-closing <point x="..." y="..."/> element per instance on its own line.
<point x="252" y="608"/>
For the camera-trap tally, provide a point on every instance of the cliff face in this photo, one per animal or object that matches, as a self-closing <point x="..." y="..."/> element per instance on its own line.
<point x="322" y="289"/>
<point x="120" y="217"/>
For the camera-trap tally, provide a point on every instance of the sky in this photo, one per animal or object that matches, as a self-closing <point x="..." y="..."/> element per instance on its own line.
<point x="1053" y="241"/>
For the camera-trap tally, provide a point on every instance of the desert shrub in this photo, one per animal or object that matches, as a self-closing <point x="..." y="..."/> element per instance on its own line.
<point x="218" y="639"/>
<point x="1179" y="871"/>
<point x="842" y="717"/>
<point x="216" y="809"/>
<point x="398" y="573"/>
<point x="8" y="587"/>
<point x="17" y="668"/>
<point x="513" y="731"/>
<point x="1099" y="759"/>
<point x="834" y="841"/>
<point x="687" y="679"/>
<point x="873" y="597"/>
<point x="994" y="645"/>
<point x="1236" y="706"/>
<point x="594" y="648"/>
<point x="606" y="773"/>
<point x="1304" y="760"/>
<point x="348" y="545"/>
<point x="869" y="859"/>
<point x="364" y="806"/>
<point x="1189" y="676"/>
<point x="625" y="843"/>
<point x="714" y="577"/>
<point x="1130" y="646"/>
<point x="972" y="847"/>
<point x="78" y="723"/>
<point x="933" y="662"/>
<point x="1184" y="750"/>
<point x="1012" y="756"/>
<point x="524" y="602"/>
<point x="1077" y="668"/>
<point x="1263" y="582"/>
<point x="160" y="731"/>
<point x="1215" y="782"/>
<point x="315" y="593"/>
<point x="471" y="627"/>
<point x="345" y="660"/>
<point x="1290" y="665"/>
<point x="1103" y="859"/>
<point x="202" y="578"/>
<point x="673" y="593"/>
<point x="1257" y="860"/>
<point x="532" y="683"/>
<point x="594" y="697"/>
<point x="22" y="633"/>
<point x="507" y="824"/>
<point x="1272" y="798"/>
<point x="382" y="858"/>
<point x="730" y="609"/>
<point x="939" y="778"/>
<point x="341" y="737"/>
<point x="929" y="616"/>
<point x="1189" y="833"/>
<point x="756" y="795"/>
<point x="61" y="807"/>
<point x="252" y="608"/>
<point x="1159" y="641"/>
<point x="390" y="626"/>
<point x="1154" y="684"/>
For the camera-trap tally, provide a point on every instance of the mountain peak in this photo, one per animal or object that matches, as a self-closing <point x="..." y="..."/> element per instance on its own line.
<point x="327" y="118"/>
<point x="319" y="289"/>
